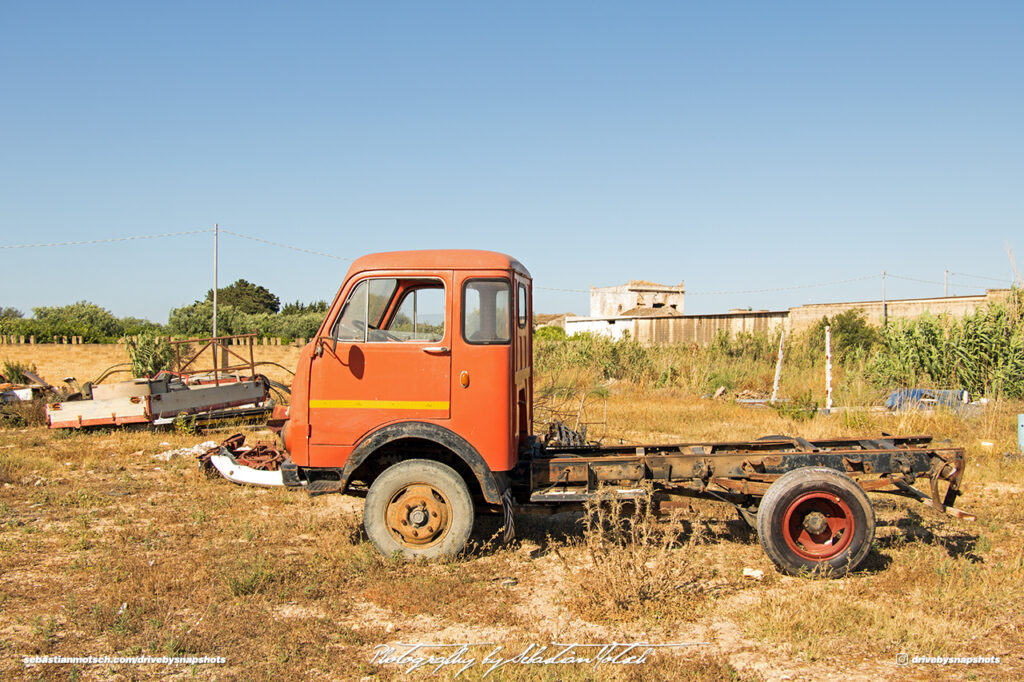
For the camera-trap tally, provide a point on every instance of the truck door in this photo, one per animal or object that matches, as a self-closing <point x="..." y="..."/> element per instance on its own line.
<point x="522" y="379"/>
<point x="388" y="359"/>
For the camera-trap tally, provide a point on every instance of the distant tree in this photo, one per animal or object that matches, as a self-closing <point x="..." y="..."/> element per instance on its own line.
<point x="93" y="323"/>
<point x="246" y="297"/>
<point x="132" y="326"/>
<point x="299" y="308"/>
<point x="9" y="313"/>
<point x="196" y="320"/>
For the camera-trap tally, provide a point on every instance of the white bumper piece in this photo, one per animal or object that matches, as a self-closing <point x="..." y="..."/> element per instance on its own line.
<point x="235" y="472"/>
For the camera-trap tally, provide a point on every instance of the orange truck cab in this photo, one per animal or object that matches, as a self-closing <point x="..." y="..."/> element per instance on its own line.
<point x="423" y="354"/>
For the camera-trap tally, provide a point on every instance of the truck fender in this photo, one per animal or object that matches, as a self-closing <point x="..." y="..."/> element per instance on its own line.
<point x="493" y="486"/>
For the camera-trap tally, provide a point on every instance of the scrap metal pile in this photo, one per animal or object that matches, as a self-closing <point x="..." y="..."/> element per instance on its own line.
<point x="259" y="464"/>
<point x="160" y="401"/>
<point x="210" y="379"/>
<point x="262" y="456"/>
<point x="12" y="391"/>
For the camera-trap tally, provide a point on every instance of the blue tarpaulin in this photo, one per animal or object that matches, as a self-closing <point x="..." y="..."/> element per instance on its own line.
<point x="904" y="398"/>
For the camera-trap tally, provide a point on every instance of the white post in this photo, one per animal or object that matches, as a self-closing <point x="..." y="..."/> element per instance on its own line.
<point x="828" y="369"/>
<point x="885" y="307"/>
<point x="945" y="284"/>
<point x="778" y="369"/>
<point x="216" y="234"/>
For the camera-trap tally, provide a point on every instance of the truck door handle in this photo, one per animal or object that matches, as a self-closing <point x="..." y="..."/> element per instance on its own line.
<point x="436" y="349"/>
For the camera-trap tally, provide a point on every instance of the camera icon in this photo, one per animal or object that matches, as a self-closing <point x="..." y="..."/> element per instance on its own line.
<point x="902" y="659"/>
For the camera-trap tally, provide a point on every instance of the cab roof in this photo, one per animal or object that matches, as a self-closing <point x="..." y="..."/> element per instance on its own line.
<point x="438" y="259"/>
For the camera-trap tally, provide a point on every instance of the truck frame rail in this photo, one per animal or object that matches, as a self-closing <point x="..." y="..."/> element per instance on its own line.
<point x="740" y="472"/>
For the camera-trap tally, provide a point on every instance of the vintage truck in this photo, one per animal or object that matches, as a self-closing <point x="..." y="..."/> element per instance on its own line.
<point x="418" y="392"/>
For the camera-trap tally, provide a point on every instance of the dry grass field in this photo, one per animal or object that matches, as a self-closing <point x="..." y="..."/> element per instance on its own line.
<point x="88" y="361"/>
<point x="106" y="550"/>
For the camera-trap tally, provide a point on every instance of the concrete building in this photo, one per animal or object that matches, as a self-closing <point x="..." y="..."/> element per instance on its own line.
<point x="661" y="325"/>
<point x="625" y="299"/>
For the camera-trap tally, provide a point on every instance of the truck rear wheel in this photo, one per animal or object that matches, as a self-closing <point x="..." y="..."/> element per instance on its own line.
<point x="815" y="519"/>
<point x="418" y="508"/>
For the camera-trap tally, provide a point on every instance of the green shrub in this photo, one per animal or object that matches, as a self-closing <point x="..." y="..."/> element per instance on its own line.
<point x="93" y="323"/>
<point x="196" y="320"/>
<point x="851" y="333"/>
<point x="549" y="334"/>
<point x="87" y="320"/>
<point x="14" y="371"/>
<point x="149" y="354"/>
<point x="801" y="408"/>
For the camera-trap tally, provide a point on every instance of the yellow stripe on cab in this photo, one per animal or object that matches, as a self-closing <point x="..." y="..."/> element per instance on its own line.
<point x="381" y="404"/>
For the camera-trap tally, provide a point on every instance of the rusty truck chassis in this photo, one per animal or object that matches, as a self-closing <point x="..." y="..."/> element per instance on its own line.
<point x="741" y="472"/>
<point x="735" y="472"/>
<point x="807" y="500"/>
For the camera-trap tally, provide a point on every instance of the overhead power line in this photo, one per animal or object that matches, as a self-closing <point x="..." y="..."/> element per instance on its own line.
<point x="743" y="291"/>
<point x="790" y="288"/>
<point x="931" y="281"/>
<point x="284" y="246"/>
<point x="280" y="245"/>
<point x="1003" y="280"/>
<point x="572" y="291"/>
<point x="105" y="241"/>
<point x="110" y="240"/>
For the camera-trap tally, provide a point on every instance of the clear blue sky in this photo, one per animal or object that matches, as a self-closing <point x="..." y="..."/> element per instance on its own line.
<point x="733" y="145"/>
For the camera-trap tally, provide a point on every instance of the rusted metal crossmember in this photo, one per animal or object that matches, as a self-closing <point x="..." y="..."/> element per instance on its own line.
<point x="888" y="465"/>
<point x="262" y="456"/>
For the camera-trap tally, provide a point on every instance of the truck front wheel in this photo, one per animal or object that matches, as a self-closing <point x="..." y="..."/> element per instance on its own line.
<point x="418" y="508"/>
<point x="815" y="519"/>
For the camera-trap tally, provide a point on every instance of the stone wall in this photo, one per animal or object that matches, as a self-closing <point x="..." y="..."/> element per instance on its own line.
<point x="805" y="316"/>
<point x="702" y="329"/>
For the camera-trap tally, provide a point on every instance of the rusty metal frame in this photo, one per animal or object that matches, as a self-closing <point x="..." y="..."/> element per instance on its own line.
<point x="220" y="345"/>
<point x="748" y="469"/>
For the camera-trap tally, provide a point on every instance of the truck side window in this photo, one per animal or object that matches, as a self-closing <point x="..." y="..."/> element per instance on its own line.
<point x="522" y="306"/>
<point x="486" y="311"/>
<point x="420" y="315"/>
<point x="365" y="306"/>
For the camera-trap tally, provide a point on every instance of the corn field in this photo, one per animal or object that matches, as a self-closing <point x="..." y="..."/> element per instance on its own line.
<point x="983" y="352"/>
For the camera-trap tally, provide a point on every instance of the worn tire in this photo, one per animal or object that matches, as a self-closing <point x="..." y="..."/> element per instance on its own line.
<point x="418" y="508"/>
<point x="816" y="520"/>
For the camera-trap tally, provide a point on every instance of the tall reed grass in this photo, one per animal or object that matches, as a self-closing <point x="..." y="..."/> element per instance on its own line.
<point x="982" y="353"/>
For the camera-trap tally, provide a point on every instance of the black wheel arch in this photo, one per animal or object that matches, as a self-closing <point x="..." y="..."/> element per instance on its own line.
<point x="492" y="485"/>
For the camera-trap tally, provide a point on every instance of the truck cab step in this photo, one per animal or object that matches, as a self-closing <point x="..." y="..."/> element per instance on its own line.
<point x="324" y="487"/>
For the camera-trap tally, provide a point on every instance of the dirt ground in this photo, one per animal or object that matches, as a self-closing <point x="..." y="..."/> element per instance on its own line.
<point x="109" y="547"/>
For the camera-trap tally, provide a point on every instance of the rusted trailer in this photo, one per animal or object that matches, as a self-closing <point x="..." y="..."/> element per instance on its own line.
<point x="210" y="378"/>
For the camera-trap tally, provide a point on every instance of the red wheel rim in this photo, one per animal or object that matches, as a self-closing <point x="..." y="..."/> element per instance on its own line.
<point x="818" y="526"/>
